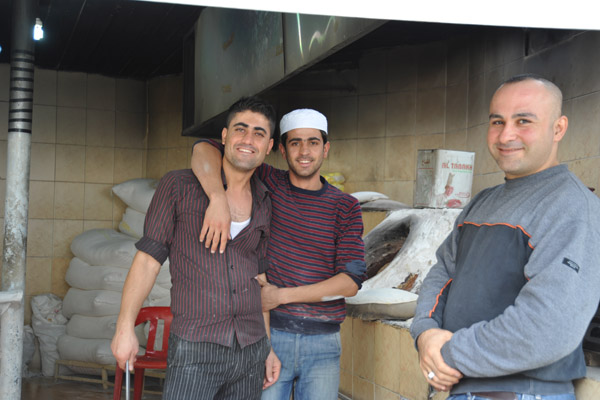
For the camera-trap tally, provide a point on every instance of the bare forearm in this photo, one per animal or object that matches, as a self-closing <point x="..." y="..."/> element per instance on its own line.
<point x="267" y="318"/>
<point x="266" y="314"/>
<point x="206" y="165"/>
<point x="139" y="282"/>
<point x="340" y="285"/>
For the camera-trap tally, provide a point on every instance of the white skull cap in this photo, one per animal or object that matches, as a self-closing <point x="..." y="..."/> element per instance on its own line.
<point x="303" y="118"/>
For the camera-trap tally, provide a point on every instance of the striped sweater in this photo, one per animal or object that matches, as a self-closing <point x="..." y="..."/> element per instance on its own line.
<point x="314" y="236"/>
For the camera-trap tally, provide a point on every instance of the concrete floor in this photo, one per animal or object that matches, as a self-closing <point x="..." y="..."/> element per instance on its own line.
<point x="47" y="388"/>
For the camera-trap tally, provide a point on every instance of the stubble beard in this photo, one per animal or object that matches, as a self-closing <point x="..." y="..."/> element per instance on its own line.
<point x="303" y="174"/>
<point x="241" y="164"/>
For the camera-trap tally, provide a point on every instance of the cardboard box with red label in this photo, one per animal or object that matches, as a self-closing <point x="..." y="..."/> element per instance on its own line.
<point x="444" y="178"/>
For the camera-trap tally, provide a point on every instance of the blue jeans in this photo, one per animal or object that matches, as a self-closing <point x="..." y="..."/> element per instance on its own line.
<point x="310" y="364"/>
<point x="468" y="396"/>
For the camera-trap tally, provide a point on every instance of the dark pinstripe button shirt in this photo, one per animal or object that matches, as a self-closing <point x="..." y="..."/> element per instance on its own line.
<point x="213" y="296"/>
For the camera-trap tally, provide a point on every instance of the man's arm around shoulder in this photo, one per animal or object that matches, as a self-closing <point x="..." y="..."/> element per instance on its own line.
<point x="207" y="162"/>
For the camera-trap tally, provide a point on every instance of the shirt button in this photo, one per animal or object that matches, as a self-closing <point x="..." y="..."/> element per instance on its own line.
<point x="231" y="266"/>
<point x="233" y="291"/>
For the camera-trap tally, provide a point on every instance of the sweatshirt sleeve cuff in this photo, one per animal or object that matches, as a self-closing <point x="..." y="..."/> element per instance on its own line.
<point x="447" y="356"/>
<point x="421" y="326"/>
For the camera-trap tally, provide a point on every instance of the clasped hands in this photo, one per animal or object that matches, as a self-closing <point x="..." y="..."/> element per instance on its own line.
<point x="438" y="374"/>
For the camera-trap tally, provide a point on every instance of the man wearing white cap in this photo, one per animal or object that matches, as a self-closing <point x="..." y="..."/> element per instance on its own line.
<point x="316" y="254"/>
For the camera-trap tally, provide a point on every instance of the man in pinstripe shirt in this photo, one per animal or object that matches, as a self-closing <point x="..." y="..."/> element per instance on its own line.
<point x="218" y="346"/>
<point x="316" y="255"/>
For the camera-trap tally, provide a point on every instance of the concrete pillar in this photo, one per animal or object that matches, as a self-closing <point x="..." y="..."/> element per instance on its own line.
<point x="17" y="198"/>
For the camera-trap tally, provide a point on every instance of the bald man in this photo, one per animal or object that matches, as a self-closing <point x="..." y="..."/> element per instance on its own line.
<point x="503" y="312"/>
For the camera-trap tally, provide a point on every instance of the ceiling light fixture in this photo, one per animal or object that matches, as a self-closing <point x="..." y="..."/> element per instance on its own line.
<point x="38" y="31"/>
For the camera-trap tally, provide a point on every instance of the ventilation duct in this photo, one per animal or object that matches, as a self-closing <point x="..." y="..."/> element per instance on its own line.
<point x="232" y="53"/>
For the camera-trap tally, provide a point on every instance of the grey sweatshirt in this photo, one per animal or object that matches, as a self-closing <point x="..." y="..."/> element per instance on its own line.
<point x="517" y="281"/>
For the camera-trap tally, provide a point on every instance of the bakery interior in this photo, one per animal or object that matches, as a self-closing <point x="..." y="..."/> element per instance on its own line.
<point x="122" y="90"/>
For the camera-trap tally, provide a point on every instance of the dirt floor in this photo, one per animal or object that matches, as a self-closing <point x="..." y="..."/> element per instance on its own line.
<point x="47" y="388"/>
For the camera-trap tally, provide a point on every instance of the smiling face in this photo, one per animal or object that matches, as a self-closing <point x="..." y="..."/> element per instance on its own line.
<point x="247" y="140"/>
<point x="304" y="152"/>
<point x="525" y="127"/>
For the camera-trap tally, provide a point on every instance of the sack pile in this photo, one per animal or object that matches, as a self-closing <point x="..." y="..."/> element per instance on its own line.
<point x="96" y="275"/>
<point x="48" y="325"/>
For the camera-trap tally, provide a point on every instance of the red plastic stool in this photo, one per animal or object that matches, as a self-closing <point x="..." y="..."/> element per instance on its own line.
<point x="152" y="359"/>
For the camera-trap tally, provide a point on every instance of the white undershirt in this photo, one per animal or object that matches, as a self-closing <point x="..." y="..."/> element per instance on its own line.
<point x="237" y="227"/>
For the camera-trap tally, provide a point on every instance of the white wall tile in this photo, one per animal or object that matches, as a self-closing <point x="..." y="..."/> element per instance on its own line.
<point x="3" y="120"/>
<point x="372" y="73"/>
<point x="130" y="130"/>
<point x="43" y="124"/>
<point x="371" y="115"/>
<point x="42" y="162"/>
<point x="71" y="90"/>
<point x="45" y="86"/>
<point x="101" y="92"/>
<point x="4" y="82"/>
<point x="70" y="125"/>
<point x="131" y="95"/>
<point x="100" y="128"/>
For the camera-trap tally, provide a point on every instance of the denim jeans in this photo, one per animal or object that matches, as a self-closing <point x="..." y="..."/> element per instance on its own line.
<point x="310" y="364"/>
<point x="565" y="396"/>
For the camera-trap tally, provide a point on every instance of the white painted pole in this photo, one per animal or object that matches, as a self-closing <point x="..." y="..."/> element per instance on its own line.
<point x="17" y="197"/>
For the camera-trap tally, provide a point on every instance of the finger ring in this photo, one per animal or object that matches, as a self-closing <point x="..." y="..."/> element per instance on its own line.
<point x="431" y="375"/>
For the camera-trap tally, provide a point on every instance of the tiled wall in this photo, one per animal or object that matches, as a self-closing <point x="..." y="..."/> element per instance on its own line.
<point x="89" y="133"/>
<point x="437" y="96"/>
<point x="379" y="362"/>
<point x="167" y="149"/>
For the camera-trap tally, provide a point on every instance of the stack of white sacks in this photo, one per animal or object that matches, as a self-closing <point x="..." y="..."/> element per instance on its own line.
<point x="96" y="275"/>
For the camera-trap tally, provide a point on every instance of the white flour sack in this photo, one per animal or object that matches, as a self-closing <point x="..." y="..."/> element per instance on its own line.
<point x="104" y="247"/>
<point x="132" y="223"/>
<point x="160" y="302"/>
<point x="136" y="193"/>
<point x="48" y="324"/>
<point x="84" y="327"/>
<point x="164" y="276"/>
<point x="158" y="293"/>
<point x="93" y="303"/>
<point x="81" y="275"/>
<point x="89" y="350"/>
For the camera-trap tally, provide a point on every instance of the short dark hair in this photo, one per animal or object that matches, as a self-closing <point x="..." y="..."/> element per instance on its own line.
<point x="254" y="104"/>
<point x="284" y="138"/>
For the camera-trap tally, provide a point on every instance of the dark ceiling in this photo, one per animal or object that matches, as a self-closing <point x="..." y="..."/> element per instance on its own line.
<point x="132" y="39"/>
<point x="141" y="40"/>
